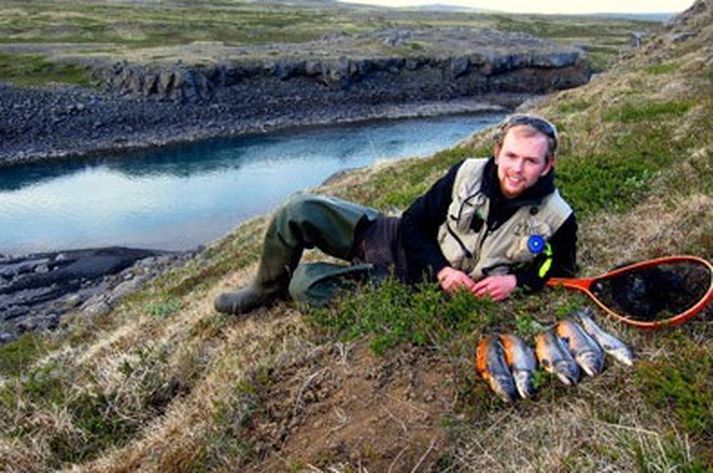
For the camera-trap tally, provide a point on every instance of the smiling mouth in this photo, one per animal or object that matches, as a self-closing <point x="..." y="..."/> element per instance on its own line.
<point x="514" y="180"/>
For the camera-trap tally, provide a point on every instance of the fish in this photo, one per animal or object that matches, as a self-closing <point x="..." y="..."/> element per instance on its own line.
<point x="609" y="343"/>
<point x="587" y="352"/>
<point x="521" y="360"/>
<point x="490" y="364"/>
<point x="555" y="357"/>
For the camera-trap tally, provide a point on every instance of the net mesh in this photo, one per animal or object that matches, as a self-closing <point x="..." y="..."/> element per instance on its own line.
<point x="654" y="293"/>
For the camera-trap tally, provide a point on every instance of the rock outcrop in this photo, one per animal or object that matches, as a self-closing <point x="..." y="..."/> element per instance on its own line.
<point x="36" y="290"/>
<point x="338" y="79"/>
<point x="458" y="62"/>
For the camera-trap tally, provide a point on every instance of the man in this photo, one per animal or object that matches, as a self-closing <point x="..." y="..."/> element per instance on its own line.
<point x="488" y="226"/>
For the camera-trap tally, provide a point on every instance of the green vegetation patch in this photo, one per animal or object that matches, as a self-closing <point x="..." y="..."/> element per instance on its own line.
<point x="100" y="418"/>
<point x="17" y="356"/>
<point x="35" y="70"/>
<point x="574" y="106"/>
<point x="648" y="111"/>
<point x="163" y="308"/>
<point x="228" y="444"/>
<point x="681" y="385"/>
<point x="399" y="189"/>
<point x="393" y="313"/>
<point x="618" y="177"/>
<point x="662" y="68"/>
<point x="100" y="426"/>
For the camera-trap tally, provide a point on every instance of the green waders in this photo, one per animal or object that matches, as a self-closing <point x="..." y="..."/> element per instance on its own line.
<point x="305" y="221"/>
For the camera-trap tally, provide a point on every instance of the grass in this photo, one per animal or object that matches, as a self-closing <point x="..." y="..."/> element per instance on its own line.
<point x="393" y="314"/>
<point x="36" y="70"/>
<point x="662" y="68"/>
<point x="681" y="385"/>
<point x="574" y="106"/>
<point x="648" y="112"/>
<point x="18" y="356"/>
<point x="136" y="29"/>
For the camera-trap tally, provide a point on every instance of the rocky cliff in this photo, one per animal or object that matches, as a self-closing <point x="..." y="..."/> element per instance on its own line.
<point x="432" y="64"/>
<point x="208" y="90"/>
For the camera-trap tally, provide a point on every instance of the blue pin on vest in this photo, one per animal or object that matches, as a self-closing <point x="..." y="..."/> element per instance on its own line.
<point x="536" y="244"/>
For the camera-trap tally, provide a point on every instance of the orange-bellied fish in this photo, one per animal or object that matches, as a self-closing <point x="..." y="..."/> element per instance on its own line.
<point x="585" y="350"/>
<point x="555" y="357"/>
<point x="612" y="345"/>
<point x="490" y="364"/>
<point x="521" y="360"/>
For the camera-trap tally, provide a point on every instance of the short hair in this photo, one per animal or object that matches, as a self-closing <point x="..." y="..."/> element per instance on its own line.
<point x="535" y="123"/>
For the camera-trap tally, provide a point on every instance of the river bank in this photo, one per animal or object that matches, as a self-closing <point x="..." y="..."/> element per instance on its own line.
<point x="63" y="121"/>
<point x="37" y="290"/>
<point x="388" y="74"/>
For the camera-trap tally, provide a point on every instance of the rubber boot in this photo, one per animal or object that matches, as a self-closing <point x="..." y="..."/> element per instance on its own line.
<point x="305" y="221"/>
<point x="271" y="281"/>
<point x="245" y="300"/>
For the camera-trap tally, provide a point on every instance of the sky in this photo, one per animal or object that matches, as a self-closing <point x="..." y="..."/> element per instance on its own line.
<point x="552" y="6"/>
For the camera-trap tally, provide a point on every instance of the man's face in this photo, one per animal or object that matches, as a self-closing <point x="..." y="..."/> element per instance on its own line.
<point x="521" y="160"/>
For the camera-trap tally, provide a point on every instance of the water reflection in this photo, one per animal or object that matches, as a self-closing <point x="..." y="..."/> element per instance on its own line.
<point x="180" y="196"/>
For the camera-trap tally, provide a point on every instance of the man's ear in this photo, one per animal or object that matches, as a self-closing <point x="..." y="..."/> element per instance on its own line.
<point x="496" y="152"/>
<point x="550" y="166"/>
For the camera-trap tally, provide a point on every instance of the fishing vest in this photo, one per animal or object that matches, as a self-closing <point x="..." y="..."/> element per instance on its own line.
<point x="483" y="252"/>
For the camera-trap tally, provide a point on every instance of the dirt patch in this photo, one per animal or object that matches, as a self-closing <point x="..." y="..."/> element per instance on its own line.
<point x="342" y="407"/>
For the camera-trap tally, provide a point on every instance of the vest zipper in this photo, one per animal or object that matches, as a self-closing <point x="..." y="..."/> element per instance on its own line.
<point x="468" y="254"/>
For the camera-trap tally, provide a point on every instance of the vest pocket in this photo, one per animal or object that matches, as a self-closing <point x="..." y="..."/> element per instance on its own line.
<point x="466" y="252"/>
<point x="518" y="252"/>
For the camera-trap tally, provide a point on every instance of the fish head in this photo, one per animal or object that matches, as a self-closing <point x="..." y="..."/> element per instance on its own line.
<point x="504" y="386"/>
<point x="567" y="372"/>
<point x="524" y="382"/>
<point x="623" y="355"/>
<point x="591" y="362"/>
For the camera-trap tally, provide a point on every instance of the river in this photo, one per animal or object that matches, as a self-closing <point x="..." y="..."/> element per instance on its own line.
<point x="182" y="196"/>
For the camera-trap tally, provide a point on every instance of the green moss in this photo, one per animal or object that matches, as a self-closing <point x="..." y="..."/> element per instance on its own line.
<point x="399" y="189"/>
<point x="681" y="385"/>
<point x="392" y="314"/>
<point x="17" y="356"/>
<point x="34" y="70"/>
<point x="101" y="427"/>
<point x="622" y="174"/>
<point x="573" y="106"/>
<point x="662" y="68"/>
<point x="648" y="111"/>
<point x="163" y="308"/>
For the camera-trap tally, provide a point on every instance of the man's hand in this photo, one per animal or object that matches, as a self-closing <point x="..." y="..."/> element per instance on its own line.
<point x="497" y="288"/>
<point x="451" y="280"/>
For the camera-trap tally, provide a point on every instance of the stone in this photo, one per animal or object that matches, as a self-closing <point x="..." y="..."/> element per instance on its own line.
<point x="98" y="309"/>
<point x="124" y="289"/>
<point x="72" y="301"/>
<point x="459" y="66"/>
<point x="26" y="325"/>
<point x="682" y="36"/>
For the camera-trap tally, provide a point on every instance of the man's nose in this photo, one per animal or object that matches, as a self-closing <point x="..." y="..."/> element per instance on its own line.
<point x="517" y="165"/>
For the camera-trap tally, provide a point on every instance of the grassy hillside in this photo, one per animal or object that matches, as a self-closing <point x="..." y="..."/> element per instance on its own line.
<point x="384" y="380"/>
<point x="45" y="41"/>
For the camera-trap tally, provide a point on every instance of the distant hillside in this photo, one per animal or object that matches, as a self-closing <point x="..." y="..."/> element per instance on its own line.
<point x="657" y="17"/>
